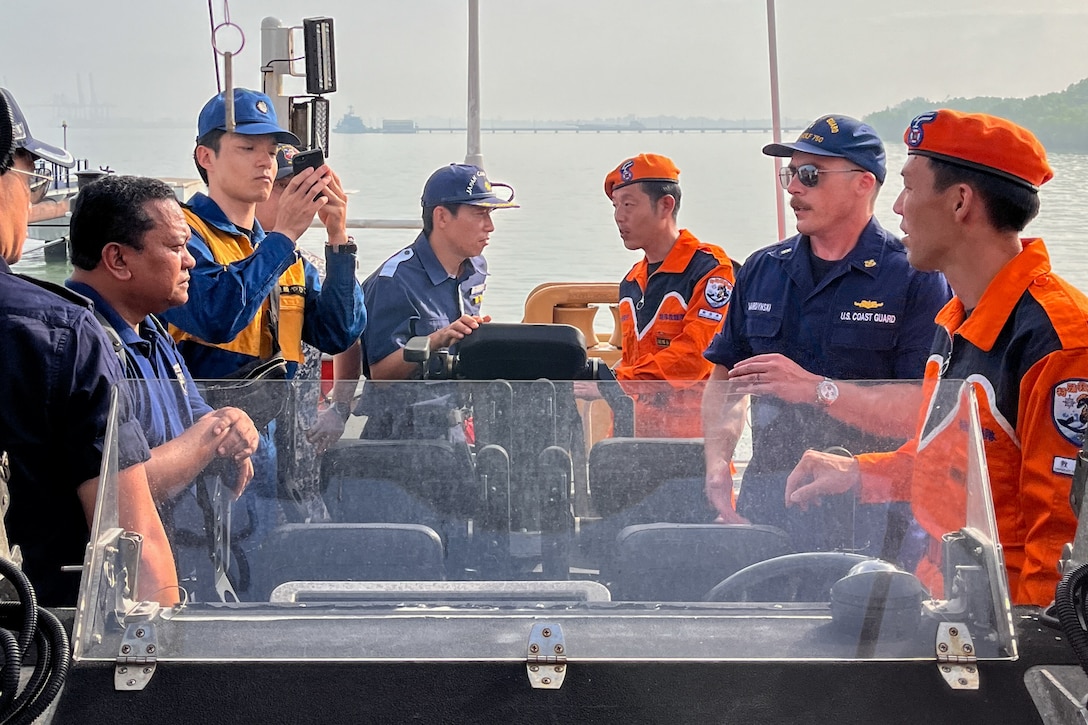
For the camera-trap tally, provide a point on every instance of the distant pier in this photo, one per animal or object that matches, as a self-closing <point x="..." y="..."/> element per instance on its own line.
<point x="582" y="129"/>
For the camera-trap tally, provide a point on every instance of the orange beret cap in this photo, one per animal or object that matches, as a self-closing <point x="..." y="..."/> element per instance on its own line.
<point x="981" y="142"/>
<point x="644" y="167"/>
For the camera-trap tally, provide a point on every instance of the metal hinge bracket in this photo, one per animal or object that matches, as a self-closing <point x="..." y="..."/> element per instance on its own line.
<point x="547" y="656"/>
<point x="956" y="658"/>
<point x="137" y="658"/>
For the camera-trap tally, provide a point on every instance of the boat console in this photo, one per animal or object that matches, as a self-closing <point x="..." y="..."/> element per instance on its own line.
<point x="507" y="567"/>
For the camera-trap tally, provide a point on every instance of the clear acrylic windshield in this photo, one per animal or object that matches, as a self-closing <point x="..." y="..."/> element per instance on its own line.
<point x="449" y="516"/>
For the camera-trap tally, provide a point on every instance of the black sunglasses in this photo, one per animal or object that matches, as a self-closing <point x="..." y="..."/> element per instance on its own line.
<point x="808" y="174"/>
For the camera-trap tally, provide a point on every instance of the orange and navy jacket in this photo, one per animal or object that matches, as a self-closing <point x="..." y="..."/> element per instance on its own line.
<point x="224" y="325"/>
<point x="1024" y="349"/>
<point x="667" y="319"/>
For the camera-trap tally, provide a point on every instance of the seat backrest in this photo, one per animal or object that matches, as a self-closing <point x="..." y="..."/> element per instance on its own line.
<point x="623" y="472"/>
<point x="521" y="351"/>
<point x="347" y="552"/>
<point x="682" y="562"/>
<point x="398" y="481"/>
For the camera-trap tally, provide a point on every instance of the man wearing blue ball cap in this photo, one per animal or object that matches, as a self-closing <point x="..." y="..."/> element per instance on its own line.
<point x="432" y="287"/>
<point x="251" y="295"/>
<point x="836" y="302"/>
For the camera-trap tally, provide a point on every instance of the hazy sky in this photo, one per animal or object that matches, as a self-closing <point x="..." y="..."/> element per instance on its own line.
<point x="560" y="59"/>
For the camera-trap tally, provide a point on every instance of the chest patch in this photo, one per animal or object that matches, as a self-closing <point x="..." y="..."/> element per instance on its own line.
<point x="1070" y="409"/>
<point x="718" y="292"/>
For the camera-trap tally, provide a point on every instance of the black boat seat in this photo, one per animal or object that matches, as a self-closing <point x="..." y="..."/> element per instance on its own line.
<point x="521" y="351"/>
<point x="397" y="481"/>
<point x="667" y="562"/>
<point x="347" y="552"/>
<point x="625" y="473"/>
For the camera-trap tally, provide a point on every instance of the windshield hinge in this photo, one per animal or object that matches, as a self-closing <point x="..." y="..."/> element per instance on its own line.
<point x="137" y="658"/>
<point x="547" y="658"/>
<point x="956" y="656"/>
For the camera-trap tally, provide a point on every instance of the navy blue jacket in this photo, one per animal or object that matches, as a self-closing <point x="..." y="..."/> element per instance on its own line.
<point x="56" y="379"/>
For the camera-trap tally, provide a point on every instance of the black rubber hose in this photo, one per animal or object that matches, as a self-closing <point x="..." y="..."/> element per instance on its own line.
<point x="1069" y="601"/>
<point x="51" y="632"/>
<point x="10" y="614"/>
<point x="28" y="600"/>
<point x="53" y="653"/>
<point x="12" y="663"/>
<point x="37" y="679"/>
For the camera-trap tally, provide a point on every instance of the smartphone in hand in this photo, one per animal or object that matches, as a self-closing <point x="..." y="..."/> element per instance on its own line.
<point x="311" y="159"/>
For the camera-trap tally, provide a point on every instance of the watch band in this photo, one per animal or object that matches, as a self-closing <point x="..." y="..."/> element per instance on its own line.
<point x="348" y="247"/>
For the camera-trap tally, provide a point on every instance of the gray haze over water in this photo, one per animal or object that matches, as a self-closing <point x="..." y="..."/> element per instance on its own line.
<point x="151" y="63"/>
<point x="564" y="230"/>
<point x="560" y="59"/>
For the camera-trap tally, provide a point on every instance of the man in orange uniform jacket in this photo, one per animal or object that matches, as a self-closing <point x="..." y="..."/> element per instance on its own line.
<point x="671" y="303"/>
<point x="1014" y="330"/>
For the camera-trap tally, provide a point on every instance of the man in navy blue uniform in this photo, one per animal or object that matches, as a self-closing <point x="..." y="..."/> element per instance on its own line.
<point x="836" y="302"/>
<point x="59" y="373"/>
<point x="433" y="287"/>
<point x="129" y="248"/>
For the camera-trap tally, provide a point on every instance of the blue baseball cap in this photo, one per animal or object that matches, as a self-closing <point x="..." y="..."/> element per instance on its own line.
<point x="841" y="136"/>
<point x="464" y="184"/>
<point x="21" y="138"/>
<point x="254" y="115"/>
<point x="284" y="154"/>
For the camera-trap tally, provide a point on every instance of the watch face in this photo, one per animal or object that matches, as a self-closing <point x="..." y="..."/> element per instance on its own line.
<point x="827" y="392"/>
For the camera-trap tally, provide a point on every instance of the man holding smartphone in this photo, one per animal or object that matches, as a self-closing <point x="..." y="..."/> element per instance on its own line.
<point x="251" y="295"/>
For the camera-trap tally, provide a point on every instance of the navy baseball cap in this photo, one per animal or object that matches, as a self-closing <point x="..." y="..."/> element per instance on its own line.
<point x="464" y="184"/>
<point x="840" y="136"/>
<point x="254" y="115"/>
<point x="284" y="167"/>
<point x="21" y="138"/>
<point x="7" y="143"/>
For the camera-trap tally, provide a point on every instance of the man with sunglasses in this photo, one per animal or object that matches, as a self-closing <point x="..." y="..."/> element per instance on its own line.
<point x="836" y="302"/>
<point x="59" y="373"/>
<point x="1015" y="330"/>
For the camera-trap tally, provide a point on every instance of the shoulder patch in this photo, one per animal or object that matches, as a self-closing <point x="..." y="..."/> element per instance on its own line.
<point x="718" y="291"/>
<point x="390" y="267"/>
<point x="1069" y="409"/>
<point x="711" y="315"/>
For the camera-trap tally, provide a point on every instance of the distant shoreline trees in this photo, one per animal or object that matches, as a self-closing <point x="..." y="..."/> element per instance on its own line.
<point x="1060" y="119"/>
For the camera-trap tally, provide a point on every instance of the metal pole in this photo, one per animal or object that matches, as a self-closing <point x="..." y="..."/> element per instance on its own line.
<point x="275" y="64"/>
<point x="776" y="117"/>
<point x="474" y="154"/>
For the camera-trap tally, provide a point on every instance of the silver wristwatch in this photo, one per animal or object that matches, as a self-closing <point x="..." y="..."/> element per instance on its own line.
<point x="826" y="392"/>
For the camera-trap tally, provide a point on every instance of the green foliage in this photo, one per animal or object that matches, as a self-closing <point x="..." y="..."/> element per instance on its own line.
<point x="1060" y="120"/>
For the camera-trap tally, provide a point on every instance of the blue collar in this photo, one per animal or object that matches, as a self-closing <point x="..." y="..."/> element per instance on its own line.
<point x="866" y="256"/>
<point x="434" y="269"/>
<point x="4" y="268"/>
<point x="128" y="336"/>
